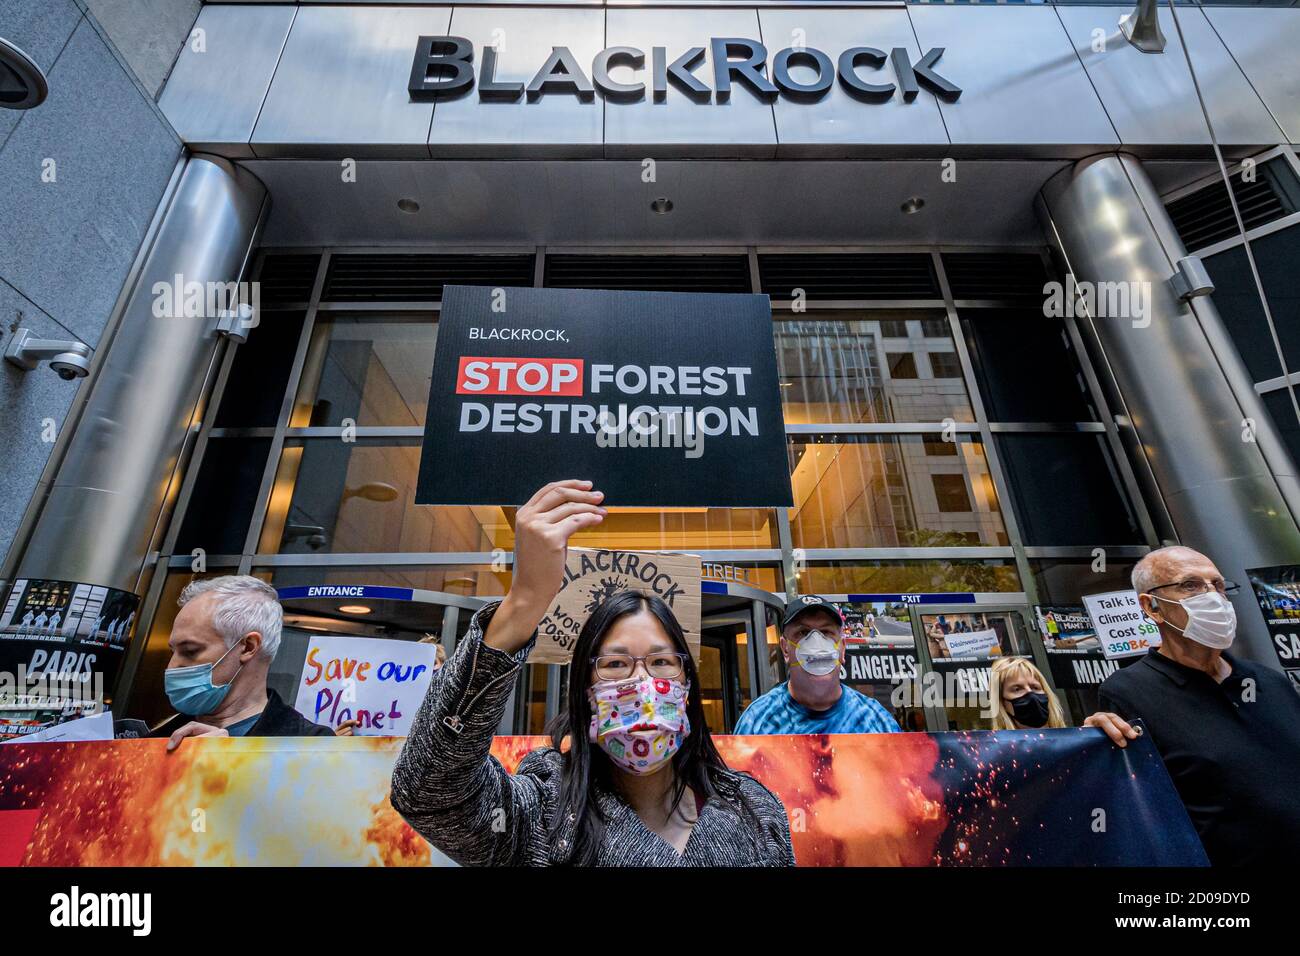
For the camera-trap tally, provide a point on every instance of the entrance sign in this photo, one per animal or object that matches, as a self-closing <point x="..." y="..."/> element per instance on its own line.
<point x="1122" y="628"/>
<point x="378" y="682"/>
<point x="659" y="398"/>
<point x="1277" y="590"/>
<point x="590" y="576"/>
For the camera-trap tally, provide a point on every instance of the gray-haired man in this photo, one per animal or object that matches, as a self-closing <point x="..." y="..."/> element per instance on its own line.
<point x="1228" y="729"/>
<point x="223" y="642"/>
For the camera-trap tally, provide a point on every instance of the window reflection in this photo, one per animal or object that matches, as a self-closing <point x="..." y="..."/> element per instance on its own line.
<point x="836" y="367"/>
<point x="891" y="492"/>
<point x="342" y="497"/>
<point x="374" y="370"/>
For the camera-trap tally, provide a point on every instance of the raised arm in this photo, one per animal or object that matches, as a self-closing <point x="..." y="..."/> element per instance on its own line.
<point x="445" y="783"/>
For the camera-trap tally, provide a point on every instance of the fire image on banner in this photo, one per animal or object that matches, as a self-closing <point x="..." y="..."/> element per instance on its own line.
<point x="1005" y="798"/>
<point x="651" y="413"/>
<point x="1277" y="590"/>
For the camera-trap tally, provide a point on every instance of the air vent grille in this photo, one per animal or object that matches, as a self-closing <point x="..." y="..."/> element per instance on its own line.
<point x="1205" y="217"/>
<point x="419" y="278"/>
<point x="288" y="277"/>
<point x="649" y="273"/>
<point x="995" y="275"/>
<point x="845" y="276"/>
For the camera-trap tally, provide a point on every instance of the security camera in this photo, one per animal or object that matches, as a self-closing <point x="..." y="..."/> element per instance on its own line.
<point x="70" y="359"/>
<point x="70" y="365"/>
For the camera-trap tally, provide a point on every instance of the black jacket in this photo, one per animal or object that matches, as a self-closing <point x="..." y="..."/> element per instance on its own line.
<point x="277" y="720"/>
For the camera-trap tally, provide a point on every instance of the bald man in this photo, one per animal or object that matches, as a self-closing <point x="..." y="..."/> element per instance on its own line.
<point x="1228" y="730"/>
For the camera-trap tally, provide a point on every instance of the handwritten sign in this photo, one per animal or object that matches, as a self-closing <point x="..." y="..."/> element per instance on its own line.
<point x="590" y="576"/>
<point x="1121" y="626"/>
<point x="377" y="682"/>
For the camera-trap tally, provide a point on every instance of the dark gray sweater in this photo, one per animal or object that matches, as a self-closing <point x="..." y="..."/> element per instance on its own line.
<point x="460" y="798"/>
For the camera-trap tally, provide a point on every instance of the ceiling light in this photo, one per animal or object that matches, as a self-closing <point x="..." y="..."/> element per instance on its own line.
<point x="354" y="609"/>
<point x="661" y="206"/>
<point x="912" y="205"/>
<point x="408" y="206"/>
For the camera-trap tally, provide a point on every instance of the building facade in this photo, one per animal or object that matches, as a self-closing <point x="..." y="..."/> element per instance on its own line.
<point x="972" y="222"/>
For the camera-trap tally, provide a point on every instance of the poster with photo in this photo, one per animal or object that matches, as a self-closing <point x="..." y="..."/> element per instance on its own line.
<point x="69" y="638"/>
<point x="1073" y="648"/>
<point x="880" y="648"/>
<point x="1277" y="591"/>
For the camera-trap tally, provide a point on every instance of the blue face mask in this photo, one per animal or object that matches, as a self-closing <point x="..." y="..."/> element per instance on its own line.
<point x="190" y="689"/>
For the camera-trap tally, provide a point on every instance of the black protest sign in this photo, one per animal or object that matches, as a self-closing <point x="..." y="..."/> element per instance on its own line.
<point x="659" y="398"/>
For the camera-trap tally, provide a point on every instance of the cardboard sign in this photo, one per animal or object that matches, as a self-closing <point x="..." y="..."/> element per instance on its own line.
<point x="659" y="398"/>
<point x="1122" y="628"/>
<point x="593" y="575"/>
<point x="378" y="682"/>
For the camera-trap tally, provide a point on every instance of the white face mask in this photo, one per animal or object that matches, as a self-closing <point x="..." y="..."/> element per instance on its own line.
<point x="1211" y="620"/>
<point x="818" y="654"/>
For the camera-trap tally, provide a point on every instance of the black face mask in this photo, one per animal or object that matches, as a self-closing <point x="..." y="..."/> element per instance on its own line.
<point x="1030" y="710"/>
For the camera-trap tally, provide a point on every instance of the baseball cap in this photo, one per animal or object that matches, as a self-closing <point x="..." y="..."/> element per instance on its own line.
<point x="809" y="602"/>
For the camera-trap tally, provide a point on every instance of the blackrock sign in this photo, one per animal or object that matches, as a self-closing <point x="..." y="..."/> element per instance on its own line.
<point x="660" y="398"/>
<point x="444" y="67"/>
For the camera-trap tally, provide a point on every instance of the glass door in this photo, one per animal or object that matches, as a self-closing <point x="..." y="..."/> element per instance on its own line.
<point x="957" y="645"/>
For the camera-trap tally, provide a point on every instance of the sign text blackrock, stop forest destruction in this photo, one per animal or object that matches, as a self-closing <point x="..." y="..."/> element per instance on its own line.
<point x="660" y="398"/>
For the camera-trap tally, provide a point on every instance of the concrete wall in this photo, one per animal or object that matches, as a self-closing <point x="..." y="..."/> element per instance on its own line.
<point x="66" y="245"/>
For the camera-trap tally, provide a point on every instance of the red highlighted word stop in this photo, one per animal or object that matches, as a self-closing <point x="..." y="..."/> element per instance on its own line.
<point x="496" y="375"/>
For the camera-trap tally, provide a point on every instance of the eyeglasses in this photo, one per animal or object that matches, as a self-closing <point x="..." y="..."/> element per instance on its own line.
<point x="663" y="666"/>
<point x="1194" y="586"/>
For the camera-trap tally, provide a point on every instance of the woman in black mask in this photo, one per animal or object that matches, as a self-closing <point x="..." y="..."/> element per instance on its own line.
<point x="1021" y="700"/>
<point x="1020" y="697"/>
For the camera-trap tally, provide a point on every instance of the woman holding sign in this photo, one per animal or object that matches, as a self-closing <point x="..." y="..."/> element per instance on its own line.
<point x="640" y="783"/>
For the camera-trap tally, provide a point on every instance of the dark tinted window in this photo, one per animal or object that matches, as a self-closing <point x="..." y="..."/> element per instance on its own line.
<point x="1026" y="368"/>
<point x="1237" y="300"/>
<point x="1066" y="491"/>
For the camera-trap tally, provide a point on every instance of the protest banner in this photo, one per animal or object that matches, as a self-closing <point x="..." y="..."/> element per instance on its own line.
<point x="1004" y="798"/>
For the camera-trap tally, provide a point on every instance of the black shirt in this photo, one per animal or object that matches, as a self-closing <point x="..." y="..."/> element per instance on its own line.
<point x="1232" y="749"/>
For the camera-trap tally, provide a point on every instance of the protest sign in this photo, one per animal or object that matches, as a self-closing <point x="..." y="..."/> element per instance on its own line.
<point x="659" y="398"/>
<point x="1121" y="626"/>
<point x="376" y="681"/>
<point x="590" y="576"/>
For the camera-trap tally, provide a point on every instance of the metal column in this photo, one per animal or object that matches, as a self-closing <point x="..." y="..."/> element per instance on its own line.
<point x="1229" y="487"/>
<point x="102" y="511"/>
